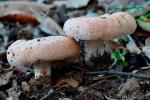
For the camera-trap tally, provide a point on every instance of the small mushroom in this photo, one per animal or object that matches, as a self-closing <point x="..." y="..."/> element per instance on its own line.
<point x="43" y="52"/>
<point x="96" y="30"/>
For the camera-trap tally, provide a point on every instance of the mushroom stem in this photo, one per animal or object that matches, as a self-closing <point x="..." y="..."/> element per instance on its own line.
<point x="93" y="48"/>
<point x="42" y="69"/>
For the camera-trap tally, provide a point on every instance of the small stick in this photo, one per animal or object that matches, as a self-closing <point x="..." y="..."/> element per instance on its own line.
<point x="114" y="72"/>
<point x="50" y="93"/>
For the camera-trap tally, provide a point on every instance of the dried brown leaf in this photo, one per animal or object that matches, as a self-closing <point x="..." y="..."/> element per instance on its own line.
<point x="20" y="17"/>
<point x="70" y="81"/>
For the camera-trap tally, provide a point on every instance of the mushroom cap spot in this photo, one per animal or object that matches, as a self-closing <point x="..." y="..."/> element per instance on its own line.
<point x="103" y="27"/>
<point x="52" y="48"/>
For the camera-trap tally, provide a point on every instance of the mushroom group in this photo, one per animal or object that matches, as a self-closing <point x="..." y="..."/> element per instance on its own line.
<point x="42" y="52"/>
<point x="96" y="30"/>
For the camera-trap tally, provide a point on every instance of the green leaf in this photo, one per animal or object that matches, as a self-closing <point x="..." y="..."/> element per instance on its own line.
<point x="117" y="55"/>
<point x="124" y="53"/>
<point x="125" y="64"/>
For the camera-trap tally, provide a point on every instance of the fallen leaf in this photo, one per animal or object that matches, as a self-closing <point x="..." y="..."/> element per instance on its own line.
<point x="143" y="23"/>
<point x="72" y="3"/>
<point x="70" y="81"/>
<point x="137" y="11"/>
<point x="140" y="32"/>
<point x="131" y="46"/>
<point x="24" y="6"/>
<point x="77" y="4"/>
<point x="146" y="50"/>
<point x="50" y="27"/>
<point x="19" y="16"/>
<point x="32" y="15"/>
<point x="5" y="77"/>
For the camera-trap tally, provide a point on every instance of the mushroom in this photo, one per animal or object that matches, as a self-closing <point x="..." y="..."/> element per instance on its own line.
<point x="43" y="52"/>
<point x="96" y="31"/>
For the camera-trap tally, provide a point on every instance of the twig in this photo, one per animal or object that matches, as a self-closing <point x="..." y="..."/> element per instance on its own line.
<point x="50" y="93"/>
<point x="80" y="68"/>
<point x="114" y="72"/>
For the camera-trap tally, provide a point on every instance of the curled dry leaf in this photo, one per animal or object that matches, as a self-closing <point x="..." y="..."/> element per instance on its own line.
<point x="30" y="15"/>
<point x="70" y="81"/>
<point x="5" y="77"/>
<point x="20" y="17"/>
<point x="23" y="6"/>
<point x="49" y="26"/>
